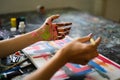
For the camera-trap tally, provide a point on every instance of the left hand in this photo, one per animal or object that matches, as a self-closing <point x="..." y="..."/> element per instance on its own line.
<point x="79" y="51"/>
<point x="54" y="31"/>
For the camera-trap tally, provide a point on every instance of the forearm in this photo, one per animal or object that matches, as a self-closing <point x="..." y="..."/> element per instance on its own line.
<point x="12" y="45"/>
<point x="48" y="70"/>
<point x="75" y="52"/>
<point x="45" y="32"/>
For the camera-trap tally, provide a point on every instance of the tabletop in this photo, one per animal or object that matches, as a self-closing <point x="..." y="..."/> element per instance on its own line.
<point x="83" y="23"/>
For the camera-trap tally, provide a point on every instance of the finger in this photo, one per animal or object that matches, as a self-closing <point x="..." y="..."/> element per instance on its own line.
<point x="63" y="24"/>
<point x="97" y="41"/>
<point x="51" y="18"/>
<point x="63" y="29"/>
<point x="67" y="32"/>
<point x="63" y="33"/>
<point x="60" y="37"/>
<point x="86" y="38"/>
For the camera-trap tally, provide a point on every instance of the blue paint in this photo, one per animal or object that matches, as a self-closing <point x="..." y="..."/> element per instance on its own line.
<point x="97" y="66"/>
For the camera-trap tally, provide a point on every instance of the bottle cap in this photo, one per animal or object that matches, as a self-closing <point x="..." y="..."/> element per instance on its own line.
<point x="13" y="19"/>
<point x="21" y="24"/>
<point x="13" y="29"/>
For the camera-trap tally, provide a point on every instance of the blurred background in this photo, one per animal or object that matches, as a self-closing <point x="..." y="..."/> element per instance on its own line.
<point x="106" y="8"/>
<point x="100" y="17"/>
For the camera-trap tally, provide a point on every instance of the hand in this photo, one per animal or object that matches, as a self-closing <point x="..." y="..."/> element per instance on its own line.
<point x="79" y="51"/>
<point x="54" y="31"/>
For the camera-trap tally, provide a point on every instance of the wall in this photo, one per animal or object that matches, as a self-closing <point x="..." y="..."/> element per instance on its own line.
<point x="98" y="7"/>
<point x="112" y="10"/>
<point x="10" y="6"/>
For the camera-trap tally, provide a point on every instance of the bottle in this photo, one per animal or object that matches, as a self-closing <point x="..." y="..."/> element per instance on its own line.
<point x="19" y="19"/>
<point x="13" y="31"/>
<point x="13" y="22"/>
<point x="21" y="27"/>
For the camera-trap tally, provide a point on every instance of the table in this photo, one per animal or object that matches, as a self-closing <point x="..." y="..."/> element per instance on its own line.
<point x="83" y="24"/>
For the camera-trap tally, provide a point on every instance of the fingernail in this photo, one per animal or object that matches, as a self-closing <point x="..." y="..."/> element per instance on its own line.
<point x="90" y="35"/>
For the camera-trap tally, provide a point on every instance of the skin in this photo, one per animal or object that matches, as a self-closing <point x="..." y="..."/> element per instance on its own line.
<point x="9" y="46"/>
<point x="78" y="51"/>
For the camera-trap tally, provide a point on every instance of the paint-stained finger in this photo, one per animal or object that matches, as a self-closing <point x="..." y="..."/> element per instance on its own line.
<point x="60" y="37"/>
<point x="51" y="18"/>
<point x="63" y="29"/>
<point x="61" y="33"/>
<point x="64" y="33"/>
<point x="63" y="24"/>
<point x="67" y="32"/>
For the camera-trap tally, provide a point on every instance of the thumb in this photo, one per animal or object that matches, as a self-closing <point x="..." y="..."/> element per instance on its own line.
<point x="97" y="41"/>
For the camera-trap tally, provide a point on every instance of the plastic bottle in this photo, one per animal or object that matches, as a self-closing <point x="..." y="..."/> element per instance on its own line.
<point x="13" y="31"/>
<point x="13" y="22"/>
<point x="21" y="27"/>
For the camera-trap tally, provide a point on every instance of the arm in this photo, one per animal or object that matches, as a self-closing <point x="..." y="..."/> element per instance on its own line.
<point x="12" y="45"/>
<point x="45" y="32"/>
<point x="78" y="51"/>
<point x="47" y="71"/>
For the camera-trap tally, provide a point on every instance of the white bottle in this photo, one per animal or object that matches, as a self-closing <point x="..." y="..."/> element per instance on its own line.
<point x="21" y="27"/>
<point x="13" y="31"/>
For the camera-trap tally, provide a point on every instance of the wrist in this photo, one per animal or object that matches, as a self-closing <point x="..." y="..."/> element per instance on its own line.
<point x="36" y="34"/>
<point x="60" y="61"/>
<point x="44" y="33"/>
<point x="60" y="55"/>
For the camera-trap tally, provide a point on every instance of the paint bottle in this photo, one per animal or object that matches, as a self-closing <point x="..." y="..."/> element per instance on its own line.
<point x="22" y="18"/>
<point x="21" y="27"/>
<point x="13" y="22"/>
<point x="13" y="31"/>
<point x="19" y="19"/>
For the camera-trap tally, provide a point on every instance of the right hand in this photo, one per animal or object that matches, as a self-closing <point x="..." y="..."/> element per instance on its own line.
<point x="79" y="51"/>
<point x="54" y="31"/>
